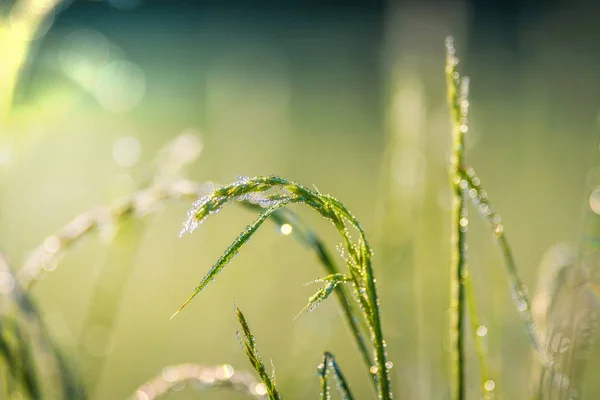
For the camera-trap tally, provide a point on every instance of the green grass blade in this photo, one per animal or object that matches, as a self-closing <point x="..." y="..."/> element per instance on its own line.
<point x="231" y="251"/>
<point x="273" y="190"/>
<point x="329" y="364"/>
<point x="305" y="235"/>
<point x="519" y="292"/>
<point x="458" y="103"/>
<point x="249" y="346"/>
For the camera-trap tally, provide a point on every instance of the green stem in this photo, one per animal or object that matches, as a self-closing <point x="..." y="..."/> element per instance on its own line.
<point x="305" y="235"/>
<point x="458" y="109"/>
<point x="518" y="288"/>
<point x="327" y="364"/>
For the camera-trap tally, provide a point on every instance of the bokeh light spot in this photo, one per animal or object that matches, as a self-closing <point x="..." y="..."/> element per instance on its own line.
<point x="286" y="229"/>
<point x="120" y="86"/>
<point x="127" y="151"/>
<point x="595" y="201"/>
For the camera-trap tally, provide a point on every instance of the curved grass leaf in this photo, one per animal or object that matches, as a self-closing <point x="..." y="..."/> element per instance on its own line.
<point x="273" y="191"/>
<point x="305" y="235"/>
<point x="231" y="252"/>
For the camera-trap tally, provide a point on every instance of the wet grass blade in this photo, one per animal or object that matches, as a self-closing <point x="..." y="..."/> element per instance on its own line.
<point x="249" y="346"/>
<point x="231" y="252"/>
<point x="272" y="191"/>
<point x="305" y="235"/>
<point x="329" y="364"/>
<point x="480" y="200"/>
<point x="457" y="92"/>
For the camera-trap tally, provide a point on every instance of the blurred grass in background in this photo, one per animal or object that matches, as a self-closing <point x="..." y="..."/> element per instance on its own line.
<point x="349" y="97"/>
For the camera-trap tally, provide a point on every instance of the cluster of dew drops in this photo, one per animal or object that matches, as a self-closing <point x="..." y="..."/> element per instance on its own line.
<point x="208" y="196"/>
<point x="479" y="197"/>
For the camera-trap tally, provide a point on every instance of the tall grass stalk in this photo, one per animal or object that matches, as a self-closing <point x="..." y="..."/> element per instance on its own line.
<point x="458" y="104"/>
<point x="273" y="193"/>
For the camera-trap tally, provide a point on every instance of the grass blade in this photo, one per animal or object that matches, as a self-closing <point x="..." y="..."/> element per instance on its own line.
<point x="273" y="191"/>
<point x="480" y="200"/>
<point x="305" y="235"/>
<point x="231" y="251"/>
<point x="249" y="346"/>
<point x="329" y="364"/>
<point x="458" y="104"/>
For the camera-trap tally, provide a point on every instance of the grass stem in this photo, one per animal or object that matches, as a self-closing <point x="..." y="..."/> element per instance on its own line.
<point x="458" y="104"/>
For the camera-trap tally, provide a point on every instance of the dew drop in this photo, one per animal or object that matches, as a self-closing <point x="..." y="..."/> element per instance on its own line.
<point x="498" y="230"/>
<point x="489" y="385"/>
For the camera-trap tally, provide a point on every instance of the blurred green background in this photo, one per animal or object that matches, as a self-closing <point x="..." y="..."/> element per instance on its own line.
<point x="348" y="96"/>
